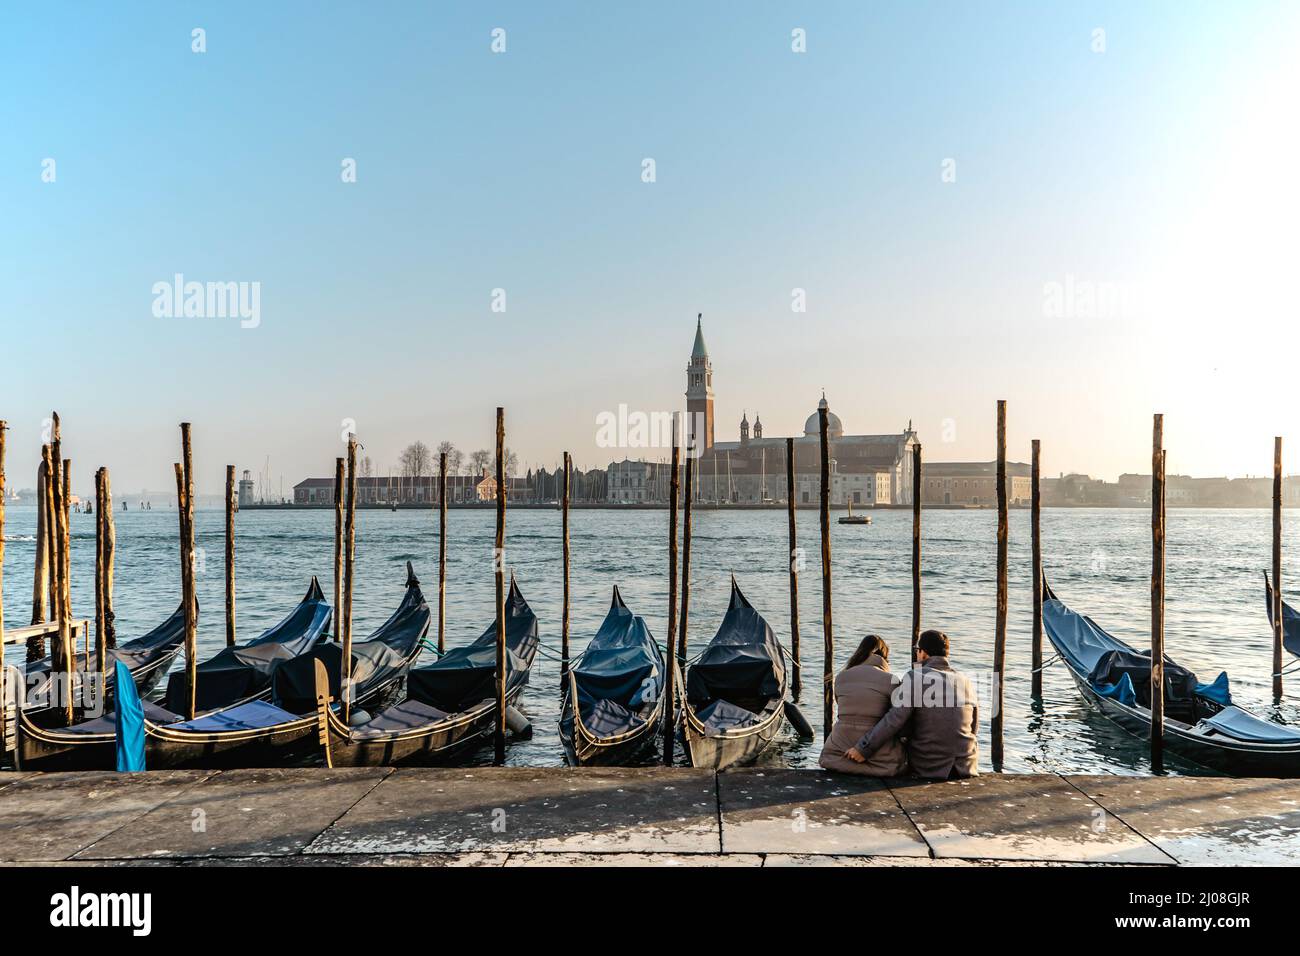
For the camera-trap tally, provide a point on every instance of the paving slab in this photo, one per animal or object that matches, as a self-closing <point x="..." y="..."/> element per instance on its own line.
<point x="1207" y="821"/>
<point x="273" y="812"/>
<point x="532" y="810"/>
<point x="47" y="817"/>
<point x="786" y="860"/>
<point x="1020" y="817"/>
<point x="634" y="859"/>
<point x="376" y="859"/>
<point x="803" y="812"/>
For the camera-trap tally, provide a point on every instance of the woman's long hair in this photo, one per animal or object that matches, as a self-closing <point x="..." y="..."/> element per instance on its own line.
<point x="871" y="644"/>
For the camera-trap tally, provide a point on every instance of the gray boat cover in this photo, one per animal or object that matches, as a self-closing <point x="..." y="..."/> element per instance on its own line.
<point x="162" y="641"/>
<point x="377" y="662"/>
<point x="1243" y="725"/>
<point x="237" y="673"/>
<point x="465" y="676"/>
<point x="744" y="664"/>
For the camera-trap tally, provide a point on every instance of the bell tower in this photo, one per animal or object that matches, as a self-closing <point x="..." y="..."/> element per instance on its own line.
<point x="699" y="393"/>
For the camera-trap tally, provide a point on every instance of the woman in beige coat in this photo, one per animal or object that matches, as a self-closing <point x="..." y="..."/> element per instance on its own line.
<point x="862" y="692"/>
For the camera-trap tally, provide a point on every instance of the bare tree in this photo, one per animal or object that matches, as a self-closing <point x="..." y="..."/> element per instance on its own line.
<point x="454" y="456"/>
<point x="367" y="467"/>
<point x="512" y="463"/>
<point x="415" y="460"/>
<point x="479" y="460"/>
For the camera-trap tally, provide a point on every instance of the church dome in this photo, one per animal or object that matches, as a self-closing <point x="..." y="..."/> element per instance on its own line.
<point x="813" y="427"/>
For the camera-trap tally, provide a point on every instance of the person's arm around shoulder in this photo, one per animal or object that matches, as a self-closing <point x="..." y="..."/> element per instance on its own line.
<point x="889" y="726"/>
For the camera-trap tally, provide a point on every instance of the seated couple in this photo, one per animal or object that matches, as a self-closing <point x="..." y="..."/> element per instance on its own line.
<point x="884" y="724"/>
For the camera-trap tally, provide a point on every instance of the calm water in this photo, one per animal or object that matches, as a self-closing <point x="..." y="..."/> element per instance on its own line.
<point x="1098" y="561"/>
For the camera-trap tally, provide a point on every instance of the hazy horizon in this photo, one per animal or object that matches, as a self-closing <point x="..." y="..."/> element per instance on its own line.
<point x="973" y="202"/>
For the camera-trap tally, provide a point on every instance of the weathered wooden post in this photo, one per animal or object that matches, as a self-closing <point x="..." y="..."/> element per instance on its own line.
<point x="499" y="558"/>
<point x="793" y="557"/>
<point x="1277" y="569"/>
<point x="916" y="547"/>
<point x="828" y="632"/>
<point x="58" y="644"/>
<point x="62" y="603"/>
<point x="1158" y="595"/>
<point x="1035" y="531"/>
<point x="230" y="555"/>
<point x="1000" y="626"/>
<point x="564" y="532"/>
<point x="669" y="649"/>
<point x="349" y="571"/>
<point x="442" y="552"/>
<point x="187" y="591"/>
<point x="41" y="576"/>
<point x="340" y="492"/>
<point x="66" y="603"/>
<point x="687" y="492"/>
<point x="191" y="603"/>
<point x="110" y="561"/>
<point x="100" y="623"/>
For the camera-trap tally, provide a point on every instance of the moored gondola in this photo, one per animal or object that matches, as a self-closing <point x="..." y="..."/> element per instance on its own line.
<point x="239" y="674"/>
<point x="735" y="690"/>
<point x="90" y="744"/>
<point x="147" y="658"/>
<point x="450" y="704"/>
<point x="613" y="702"/>
<point x="1202" y="724"/>
<point x="283" y="730"/>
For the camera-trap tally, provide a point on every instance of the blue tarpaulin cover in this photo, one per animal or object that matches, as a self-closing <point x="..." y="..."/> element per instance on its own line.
<point x="1216" y="691"/>
<point x="1243" y="725"/>
<point x="1122" y="691"/>
<point x="130" y="722"/>
<point x="249" y="716"/>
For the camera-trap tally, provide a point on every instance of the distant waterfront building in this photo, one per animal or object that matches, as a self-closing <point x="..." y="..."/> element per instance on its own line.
<point x="866" y="470"/>
<point x="973" y="483"/>
<point x="319" y="492"/>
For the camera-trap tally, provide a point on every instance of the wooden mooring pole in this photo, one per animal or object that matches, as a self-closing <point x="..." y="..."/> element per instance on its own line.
<point x="62" y="605"/>
<point x="916" y="547"/>
<point x="100" y="637"/>
<point x="793" y="558"/>
<point x="349" y="574"/>
<point x="340" y="493"/>
<point x="191" y="605"/>
<point x="41" y="577"/>
<point x="499" y="736"/>
<point x="442" y="552"/>
<point x="230" y="555"/>
<point x="564" y="544"/>
<point x="1277" y="569"/>
<point x="110" y="564"/>
<point x="1157" y="595"/>
<point x="828" y="631"/>
<point x="671" y="643"/>
<point x="1036" y="535"/>
<point x="687" y="492"/>
<point x="1000" y="628"/>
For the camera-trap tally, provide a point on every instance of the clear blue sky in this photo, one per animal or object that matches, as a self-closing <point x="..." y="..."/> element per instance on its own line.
<point x="1161" y="166"/>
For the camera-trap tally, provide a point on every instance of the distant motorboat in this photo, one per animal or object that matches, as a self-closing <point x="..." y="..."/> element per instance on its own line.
<point x="851" y="518"/>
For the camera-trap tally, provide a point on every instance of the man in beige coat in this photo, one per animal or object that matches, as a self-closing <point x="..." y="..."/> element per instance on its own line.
<point x="936" y="708"/>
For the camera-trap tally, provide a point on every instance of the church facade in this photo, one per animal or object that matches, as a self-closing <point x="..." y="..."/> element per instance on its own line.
<point x="866" y="470"/>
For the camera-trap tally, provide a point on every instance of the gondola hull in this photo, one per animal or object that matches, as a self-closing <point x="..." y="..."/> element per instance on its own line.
<point x="430" y="745"/>
<point x="734" y="748"/>
<point x="583" y="750"/>
<point x="1222" y="754"/>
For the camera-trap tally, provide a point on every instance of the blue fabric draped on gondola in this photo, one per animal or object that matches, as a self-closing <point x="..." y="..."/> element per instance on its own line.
<point x="130" y="722"/>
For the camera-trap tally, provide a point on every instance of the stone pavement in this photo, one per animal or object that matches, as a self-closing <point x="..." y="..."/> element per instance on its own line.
<point x="519" y="816"/>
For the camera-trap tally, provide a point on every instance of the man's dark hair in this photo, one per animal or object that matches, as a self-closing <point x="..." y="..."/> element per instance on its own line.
<point x="934" y="643"/>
